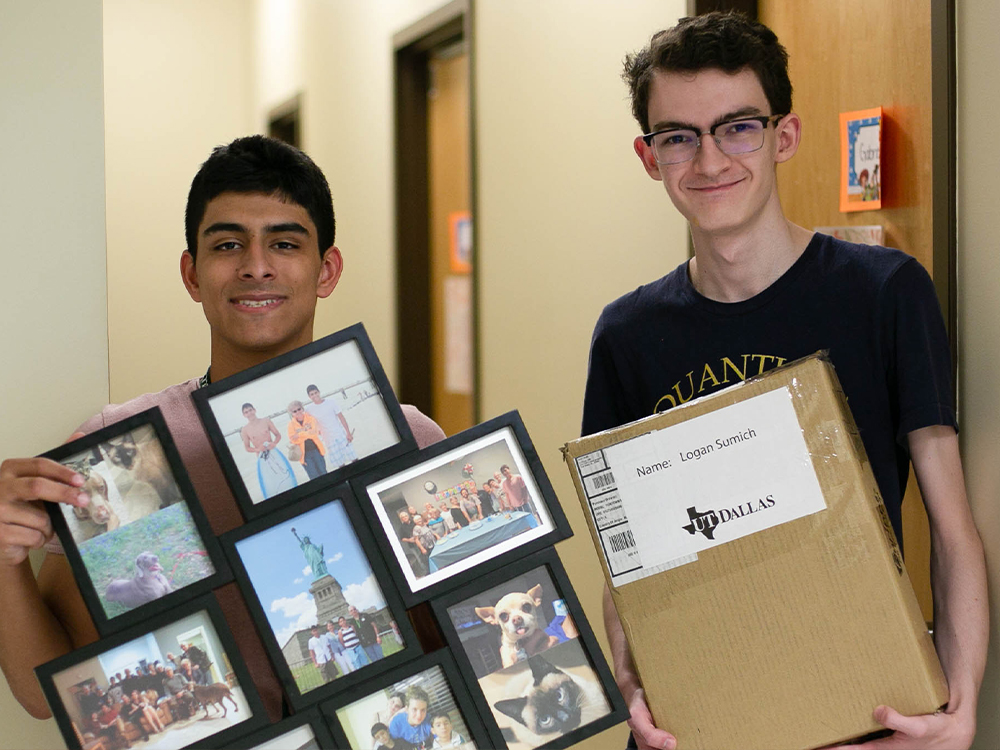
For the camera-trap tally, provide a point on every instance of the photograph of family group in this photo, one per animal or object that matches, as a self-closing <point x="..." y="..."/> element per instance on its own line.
<point x="451" y="512"/>
<point x="136" y="537"/>
<point x="418" y="712"/>
<point x="173" y="687"/>
<point x="321" y="600"/>
<point x="300" y="422"/>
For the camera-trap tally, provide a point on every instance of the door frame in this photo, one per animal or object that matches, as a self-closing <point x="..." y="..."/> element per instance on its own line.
<point x="412" y="48"/>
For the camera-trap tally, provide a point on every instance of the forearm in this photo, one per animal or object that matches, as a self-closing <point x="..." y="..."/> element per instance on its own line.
<point x="31" y="635"/>
<point x="621" y="656"/>
<point x="961" y="616"/>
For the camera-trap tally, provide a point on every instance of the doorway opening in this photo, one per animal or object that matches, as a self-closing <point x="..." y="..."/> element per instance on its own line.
<point x="435" y="240"/>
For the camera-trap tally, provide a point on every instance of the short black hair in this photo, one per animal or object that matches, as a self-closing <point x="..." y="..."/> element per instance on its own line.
<point x="258" y="164"/>
<point x="311" y="388"/>
<point x="246" y="406"/>
<point x="727" y="41"/>
<point x="377" y="727"/>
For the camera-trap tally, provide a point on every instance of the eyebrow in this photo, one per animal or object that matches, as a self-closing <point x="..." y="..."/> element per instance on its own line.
<point x="287" y="227"/>
<point x="736" y="114"/>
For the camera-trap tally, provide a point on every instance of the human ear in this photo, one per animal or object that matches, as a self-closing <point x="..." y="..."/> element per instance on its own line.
<point x="189" y="275"/>
<point x="647" y="157"/>
<point x="788" y="135"/>
<point x="331" y="266"/>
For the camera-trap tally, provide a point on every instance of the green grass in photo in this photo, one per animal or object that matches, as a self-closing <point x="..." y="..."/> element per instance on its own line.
<point x="307" y="677"/>
<point x="170" y="534"/>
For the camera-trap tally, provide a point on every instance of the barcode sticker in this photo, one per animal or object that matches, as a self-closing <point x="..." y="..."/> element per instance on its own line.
<point x="606" y="508"/>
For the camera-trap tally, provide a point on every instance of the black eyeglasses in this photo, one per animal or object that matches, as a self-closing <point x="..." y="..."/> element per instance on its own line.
<point x="733" y="137"/>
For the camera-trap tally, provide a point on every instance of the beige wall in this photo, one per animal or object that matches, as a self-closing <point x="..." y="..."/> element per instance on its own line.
<point x="54" y="337"/>
<point x="979" y="309"/>
<point x="177" y="83"/>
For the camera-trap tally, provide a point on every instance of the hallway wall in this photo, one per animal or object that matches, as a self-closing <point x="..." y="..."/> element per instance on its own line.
<point x="54" y="339"/>
<point x="978" y="311"/>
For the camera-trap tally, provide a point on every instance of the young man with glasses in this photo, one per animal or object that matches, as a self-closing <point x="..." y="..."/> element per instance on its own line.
<point x="714" y="101"/>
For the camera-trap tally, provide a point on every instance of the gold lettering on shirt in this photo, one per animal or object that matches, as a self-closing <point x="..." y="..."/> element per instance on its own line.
<point x="684" y="389"/>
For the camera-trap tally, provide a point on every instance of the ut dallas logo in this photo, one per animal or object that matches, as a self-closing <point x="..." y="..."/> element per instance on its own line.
<point x="703" y="523"/>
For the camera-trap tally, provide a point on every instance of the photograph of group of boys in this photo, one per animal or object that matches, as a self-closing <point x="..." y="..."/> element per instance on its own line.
<point x="136" y="537"/>
<point x="170" y="688"/>
<point x="321" y="600"/>
<point x="303" y="421"/>
<point x="528" y="656"/>
<point x="454" y="511"/>
<point x="415" y="713"/>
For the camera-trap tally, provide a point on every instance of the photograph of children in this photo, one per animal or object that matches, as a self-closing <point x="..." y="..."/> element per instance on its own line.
<point x="416" y="713"/>
<point x="449" y="513"/>
<point x="319" y="595"/>
<point x="136" y="537"/>
<point x="303" y="421"/>
<point x="529" y="660"/>
<point x="171" y="688"/>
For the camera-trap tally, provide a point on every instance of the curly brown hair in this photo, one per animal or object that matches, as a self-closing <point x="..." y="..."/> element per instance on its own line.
<point x="727" y="41"/>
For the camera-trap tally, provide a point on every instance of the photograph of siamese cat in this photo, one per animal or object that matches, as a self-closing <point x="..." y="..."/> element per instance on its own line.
<point x="136" y="537"/>
<point x="528" y="660"/>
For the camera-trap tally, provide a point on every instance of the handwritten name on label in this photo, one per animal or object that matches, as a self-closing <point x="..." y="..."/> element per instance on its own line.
<point x="715" y="478"/>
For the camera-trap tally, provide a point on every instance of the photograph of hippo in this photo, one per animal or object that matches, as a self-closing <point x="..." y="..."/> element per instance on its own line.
<point x="136" y="537"/>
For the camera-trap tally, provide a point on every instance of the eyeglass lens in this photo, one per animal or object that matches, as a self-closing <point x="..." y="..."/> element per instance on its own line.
<point x="737" y="137"/>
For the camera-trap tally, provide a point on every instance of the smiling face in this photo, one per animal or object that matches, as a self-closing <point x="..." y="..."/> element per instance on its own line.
<point x="258" y="275"/>
<point x="718" y="193"/>
<point x="416" y="712"/>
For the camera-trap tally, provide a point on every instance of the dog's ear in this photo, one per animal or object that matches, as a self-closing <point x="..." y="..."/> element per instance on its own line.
<point x="536" y="594"/>
<point x="487" y="615"/>
<point x="139" y="571"/>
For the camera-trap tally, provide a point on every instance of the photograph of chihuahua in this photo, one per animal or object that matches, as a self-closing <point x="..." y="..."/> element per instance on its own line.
<point x="512" y="622"/>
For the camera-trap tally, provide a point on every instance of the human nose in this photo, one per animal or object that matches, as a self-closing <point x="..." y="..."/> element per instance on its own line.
<point x="710" y="158"/>
<point x="255" y="262"/>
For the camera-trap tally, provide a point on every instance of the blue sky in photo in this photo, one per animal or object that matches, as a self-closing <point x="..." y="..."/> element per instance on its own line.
<point x="281" y="576"/>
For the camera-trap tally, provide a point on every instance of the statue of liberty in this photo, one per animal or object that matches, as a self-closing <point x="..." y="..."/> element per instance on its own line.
<point x="314" y="556"/>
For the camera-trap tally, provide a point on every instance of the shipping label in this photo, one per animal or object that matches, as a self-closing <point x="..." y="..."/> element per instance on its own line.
<point x="660" y="498"/>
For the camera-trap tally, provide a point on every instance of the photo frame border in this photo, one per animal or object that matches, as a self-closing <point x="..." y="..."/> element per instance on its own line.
<point x="108" y="625"/>
<point x="459" y="687"/>
<point x="560" y="525"/>
<point x="369" y="547"/>
<point x="250" y="510"/>
<point x="311" y="716"/>
<point x="46" y="673"/>
<point x="548" y="559"/>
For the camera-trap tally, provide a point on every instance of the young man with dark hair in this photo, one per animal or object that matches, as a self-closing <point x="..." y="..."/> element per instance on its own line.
<point x="260" y="253"/>
<point x="713" y="99"/>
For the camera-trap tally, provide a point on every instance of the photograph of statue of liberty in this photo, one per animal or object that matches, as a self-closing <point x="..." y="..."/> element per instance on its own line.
<point x="312" y="583"/>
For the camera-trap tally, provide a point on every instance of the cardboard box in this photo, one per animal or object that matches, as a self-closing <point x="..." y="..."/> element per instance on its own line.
<point x="754" y="568"/>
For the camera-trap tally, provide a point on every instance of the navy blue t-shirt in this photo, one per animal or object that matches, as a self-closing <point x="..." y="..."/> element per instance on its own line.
<point x="874" y="309"/>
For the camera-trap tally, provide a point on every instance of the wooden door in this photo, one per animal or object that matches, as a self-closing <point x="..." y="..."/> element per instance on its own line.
<point x="452" y="361"/>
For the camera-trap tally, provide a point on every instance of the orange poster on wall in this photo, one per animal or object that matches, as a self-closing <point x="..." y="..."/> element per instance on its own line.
<point x="861" y="160"/>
